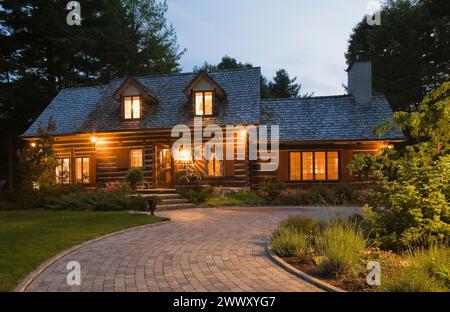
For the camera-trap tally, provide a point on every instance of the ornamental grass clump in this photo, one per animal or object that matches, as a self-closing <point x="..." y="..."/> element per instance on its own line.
<point x="343" y="244"/>
<point x="287" y="242"/>
<point x="423" y="270"/>
<point x="302" y="224"/>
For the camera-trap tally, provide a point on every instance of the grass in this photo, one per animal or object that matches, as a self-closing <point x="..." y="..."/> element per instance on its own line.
<point x="424" y="270"/>
<point x="342" y="247"/>
<point x="287" y="242"/>
<point x="28" y="238"/>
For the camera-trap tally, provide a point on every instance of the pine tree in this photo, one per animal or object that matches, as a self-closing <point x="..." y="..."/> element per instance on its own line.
<point x="285" y="87"/>
<point x="410" y="50"/>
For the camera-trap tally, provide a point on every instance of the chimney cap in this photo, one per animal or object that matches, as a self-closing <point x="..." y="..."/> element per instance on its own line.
<point x="361" y="56"/>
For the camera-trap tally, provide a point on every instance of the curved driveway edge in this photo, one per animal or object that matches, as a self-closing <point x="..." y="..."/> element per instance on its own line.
<point x="218" y="249"/>
<point x="23" y="285"/>
<point x="315" y="281"/>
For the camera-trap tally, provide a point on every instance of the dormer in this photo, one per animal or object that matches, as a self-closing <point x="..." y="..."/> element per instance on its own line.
<point x="133" y="97"/>
<point x="203" y="92"/>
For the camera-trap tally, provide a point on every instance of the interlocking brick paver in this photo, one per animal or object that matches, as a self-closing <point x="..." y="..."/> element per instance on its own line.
<point x="200" y="250"/>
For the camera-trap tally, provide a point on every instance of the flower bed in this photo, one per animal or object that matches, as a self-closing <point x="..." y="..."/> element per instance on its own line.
<point x="338" y="252"/>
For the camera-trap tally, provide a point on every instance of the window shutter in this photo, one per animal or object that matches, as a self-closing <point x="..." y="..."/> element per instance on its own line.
<point x="123" y="161"/>
<point x="283" y="167"/>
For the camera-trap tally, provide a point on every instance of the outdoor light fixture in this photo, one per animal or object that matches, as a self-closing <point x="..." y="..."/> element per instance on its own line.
<point x="93" y="139"/>
<point x="33" y="144"/>
<point x="184" y="155"/>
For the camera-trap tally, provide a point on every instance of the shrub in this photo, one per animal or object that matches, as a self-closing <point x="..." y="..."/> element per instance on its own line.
<point x="287" y="242"/>
<point x="96" y="201"/>
<point x="344" y="194"/>
<point x="271" y="191"/>
<point x="197" y="194"/>
<point x="410" y="202"/>
<point x="134" y="177"/>
<point x="319" y="195"/>
<point x="343" y="245"/>
<point x="414" y="209"/>
<point x="46" y="195"/>
<point x="189" y="176"/>
<point x="424" y="271"/>
<point x="239" y="198"/>
<point x="293" y="197"/>
<point x="115" y="186"/>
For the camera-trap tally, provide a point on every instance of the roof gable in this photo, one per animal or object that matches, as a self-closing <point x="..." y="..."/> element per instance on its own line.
<point x="204" y="77"/>
<point x="131" y="83"/>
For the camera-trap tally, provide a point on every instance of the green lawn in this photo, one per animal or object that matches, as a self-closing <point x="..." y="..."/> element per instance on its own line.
<point x="28" y="238"/>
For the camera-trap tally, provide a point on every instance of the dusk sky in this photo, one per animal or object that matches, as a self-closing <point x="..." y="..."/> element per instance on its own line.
<point x="308" y="38"/>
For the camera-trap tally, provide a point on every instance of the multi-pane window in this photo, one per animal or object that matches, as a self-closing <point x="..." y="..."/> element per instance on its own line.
<point x="82" y="170"/>
<point x="203" y="103"/>
<point x="136" y="158"/>
<point x="132" y="107"/>
<point x="314" y="166"/>
<point x="214" y="166"/>
<point x="63" y="171"/>
<point x="333" y="165"/>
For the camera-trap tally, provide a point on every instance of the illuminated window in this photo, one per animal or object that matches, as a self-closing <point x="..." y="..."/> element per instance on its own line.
<point x="63" y="171"/>
<point x="132" y="107"/>
<point x="320" y="167"/>
<point x="314" y="166"/>
<point x="214" y="167"/>
<point x="294" y="167"/>
<point x="308" y="166"/>
<point x="82" y="170"/>
<point x="136" y="158"/>
<point x="203" y="103"/>
<point x="333" y="165"/>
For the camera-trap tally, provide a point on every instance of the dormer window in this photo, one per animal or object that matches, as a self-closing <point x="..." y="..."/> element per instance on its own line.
<point x="203" y="92"/>
<point x="203" y="103"/>
<point x="132" y="107"/>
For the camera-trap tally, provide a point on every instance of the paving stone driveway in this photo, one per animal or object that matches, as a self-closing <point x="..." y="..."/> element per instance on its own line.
<point x="200" y="250"/>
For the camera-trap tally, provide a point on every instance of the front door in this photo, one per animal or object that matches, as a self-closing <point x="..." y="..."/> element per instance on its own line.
<point x="164" y="167"/>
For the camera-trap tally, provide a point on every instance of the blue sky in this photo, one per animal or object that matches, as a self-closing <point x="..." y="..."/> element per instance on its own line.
<point x="308" y="38"/>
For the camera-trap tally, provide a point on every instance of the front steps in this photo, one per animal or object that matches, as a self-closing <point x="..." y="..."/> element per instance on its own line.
<point x="170" y="199"/>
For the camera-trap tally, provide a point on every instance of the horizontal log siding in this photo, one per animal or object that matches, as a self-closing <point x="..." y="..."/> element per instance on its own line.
<point x="105" y="154"/>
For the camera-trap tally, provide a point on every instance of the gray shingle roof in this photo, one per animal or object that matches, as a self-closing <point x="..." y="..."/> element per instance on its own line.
<point x="89" y="109"/>
<point x="93" y="108"/>
<point x="330" y="118"/>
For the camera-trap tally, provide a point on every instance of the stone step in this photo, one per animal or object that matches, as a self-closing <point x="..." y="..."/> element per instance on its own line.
<point x="163" y="196"/>
<point x="174" y="206"/>
<point x="169" y="201"/>
<point x="157" y="191"/>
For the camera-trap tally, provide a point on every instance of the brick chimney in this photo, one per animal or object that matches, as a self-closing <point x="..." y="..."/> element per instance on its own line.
<point x="360" y="79"/>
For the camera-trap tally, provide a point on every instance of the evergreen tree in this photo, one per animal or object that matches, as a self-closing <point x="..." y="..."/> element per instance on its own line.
<point x="153" y="42"/>
<point x="41" y="53"/>
<point x="285" y="87"/>
<point x="410" y="50"/>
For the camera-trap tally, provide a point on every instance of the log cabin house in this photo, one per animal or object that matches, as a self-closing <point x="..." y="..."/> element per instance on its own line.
<point x="103" y="131"/>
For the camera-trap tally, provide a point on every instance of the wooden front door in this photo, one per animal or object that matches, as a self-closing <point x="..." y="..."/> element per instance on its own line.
<point x="164" y="167"/>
